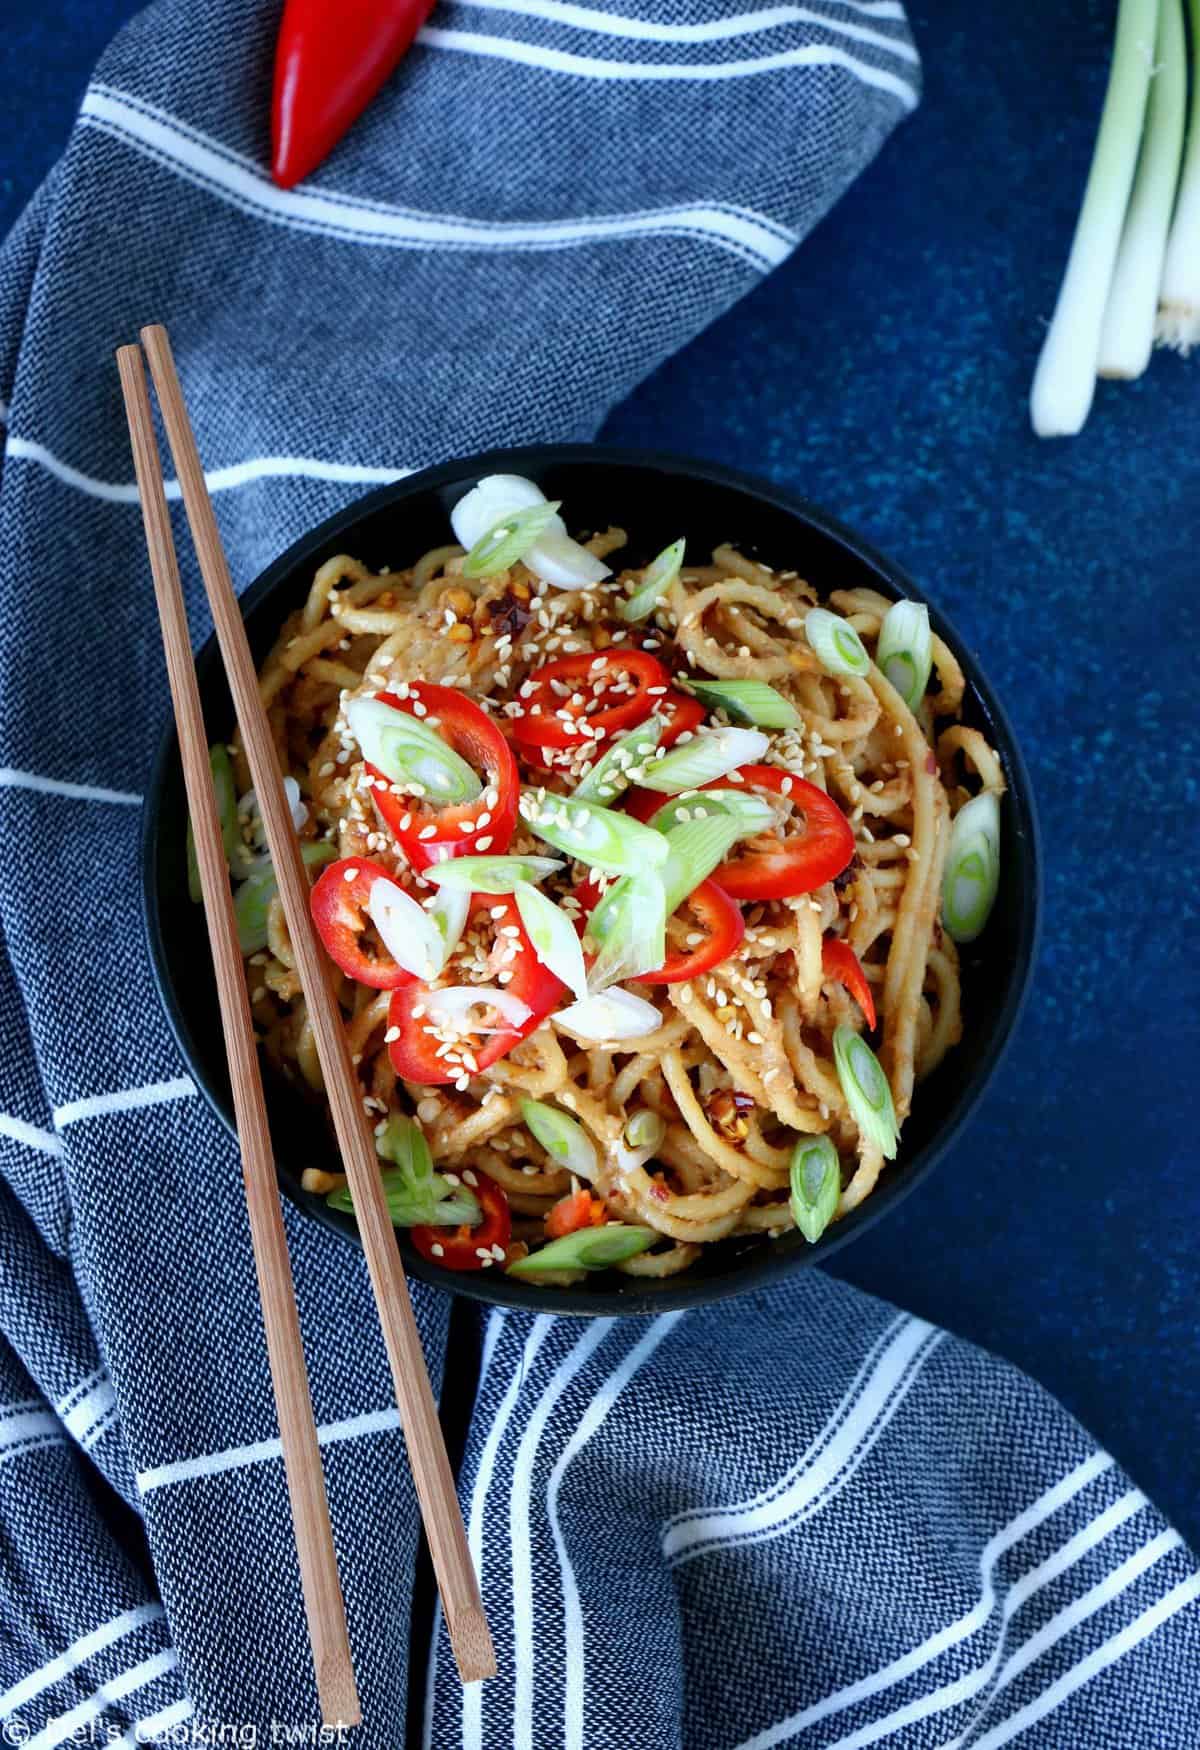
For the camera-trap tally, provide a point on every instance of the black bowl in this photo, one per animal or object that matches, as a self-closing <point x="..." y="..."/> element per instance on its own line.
<point x="654" y="497"/>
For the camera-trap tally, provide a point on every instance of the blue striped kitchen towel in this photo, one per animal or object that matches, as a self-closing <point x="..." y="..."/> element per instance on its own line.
<point x="704" y="1530"/>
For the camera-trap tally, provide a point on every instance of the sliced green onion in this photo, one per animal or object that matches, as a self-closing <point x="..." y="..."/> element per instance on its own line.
<point x="972" y="875"/>
<point x="750" y="702"/>
<point x="226" y="793"/>
<point x="816" y="1183"/>
<point x="407" y="930"/>
<point x="905" y="650"/>
<point x="837" y="644"/>
<point x="600" y="837"/>
<point x="629" y="927"/>
<point x="1179" y="296"/>
<point x="553" y="937"/>
<point x="554" y="558"/>
<point x="509" y="539"/>
<point x="645" y="1129"/>
<point x="657" y="579"/>
<point x="416" y="1195"/>
<point x="750" y="813"/>
<point x="252" y="901"/>
<point x="619" y="767"/>
<point x="564" y="1139"/>
<point x="700" y="832"/>
<point x="697" y="847"/>
<point x="448" y="913"/>
<point x="410" y="754"/>
<point x="1127" y="336"/>
<point x="457" y="1002"/>
<point x="610" y="1014"/>
<point x="709" y="755"/>
<point x="491" y="874"/>
<point x="1065" y="379"/>
<point x="866" y="1088"/>
<point x="589" y="1248"/>
<point x="455" y="1208"/>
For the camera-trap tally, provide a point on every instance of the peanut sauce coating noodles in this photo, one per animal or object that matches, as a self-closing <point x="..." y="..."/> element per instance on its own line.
<point x="704" y="947"/>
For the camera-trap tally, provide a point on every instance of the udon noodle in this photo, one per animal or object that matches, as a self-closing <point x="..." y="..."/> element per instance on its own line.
<point x="741" y="1063"/>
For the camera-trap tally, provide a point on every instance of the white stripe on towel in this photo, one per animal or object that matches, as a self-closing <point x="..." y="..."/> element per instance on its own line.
<point x="124" y="1100"/>
<point x="77" y="1654"/>
<point x="889" y="1384"/>
<point x="547" y="60"/>
<point x="812" y="1453"/>
<point x="735" y="24"/>
<point x="244" y="185"/>
<point x="1139" y="1630"/>
<point x="520" y="1527"/>
<point x="12" y="779"/>
<point x="472" y="1694"/>
<point x="151" y="1730"/>
<point x="212" y="1464"/>
<point x="65" y="1728"/>
<point x="22" y="1431"/>
<point x="601" y="1404"/>
<point x="86" y="1419"/>
<point x="219" y="479"/>
<point x="17" y="1130"/>
<point x="1027" y="1521"/>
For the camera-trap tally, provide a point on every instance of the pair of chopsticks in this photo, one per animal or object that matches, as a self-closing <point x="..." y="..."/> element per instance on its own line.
<point x="434" y="1480"/>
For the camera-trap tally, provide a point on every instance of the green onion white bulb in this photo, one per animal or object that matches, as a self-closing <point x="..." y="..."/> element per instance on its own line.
<point x="972" y="874"/>
<point x="838" y="646"/>
<point x="904" y="652"/>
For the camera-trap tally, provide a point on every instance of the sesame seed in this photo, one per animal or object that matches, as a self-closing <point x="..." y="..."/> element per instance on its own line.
<point x="438" y="1250"/>
<point x="485" y="843"/>
<point x="392" y="1034"/>
<point x="427" y="832"/>
<point x="349" y="874"/>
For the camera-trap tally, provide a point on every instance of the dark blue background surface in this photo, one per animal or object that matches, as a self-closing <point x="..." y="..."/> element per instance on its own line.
<point x="884" y="372"/>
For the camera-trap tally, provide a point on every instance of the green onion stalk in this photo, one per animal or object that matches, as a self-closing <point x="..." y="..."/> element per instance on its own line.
<point x="1065" y="379"/>
<point x="1179" y="296"/>
<point x="1127" y="337"/>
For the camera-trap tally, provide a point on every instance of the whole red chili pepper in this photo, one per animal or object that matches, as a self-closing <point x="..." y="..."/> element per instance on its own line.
<point x="331" y="59"/>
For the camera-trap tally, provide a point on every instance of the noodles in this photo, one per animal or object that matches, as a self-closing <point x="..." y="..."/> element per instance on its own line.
<point x="742" y="1063"/>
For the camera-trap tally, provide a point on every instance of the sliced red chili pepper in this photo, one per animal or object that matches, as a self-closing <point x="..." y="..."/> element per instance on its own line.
<point x="578" y="1209"/>
<point x="680" y="712"/>
<point x="721" y="919"/>
<point x="798" y="862"/>
<point x="339" y="908"/>
<point x="717" y="913"/>
<point x="414" y="1052"/>
<point x="463" y="828"/>
<point x="552" y="717"/>
<point x="643" y="803"/>
<point x="330" y="61"/>
<point x="841" y="965"/>
<point x="459" y="1248"/>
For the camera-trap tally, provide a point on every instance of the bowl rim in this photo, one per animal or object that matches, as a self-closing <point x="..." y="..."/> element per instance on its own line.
<point x="770" y="1264"/>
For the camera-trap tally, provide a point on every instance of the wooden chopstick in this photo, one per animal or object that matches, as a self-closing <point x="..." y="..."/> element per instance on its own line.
<point x="434" y="1480"/>
<point x="319" y="1581"/>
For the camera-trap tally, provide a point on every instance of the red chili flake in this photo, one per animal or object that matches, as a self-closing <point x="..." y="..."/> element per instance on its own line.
<point x="509" y="614"/>
<point x="659" y="1190"/>
<point x="848" y="874"/>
